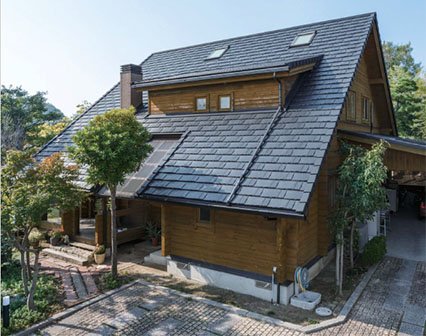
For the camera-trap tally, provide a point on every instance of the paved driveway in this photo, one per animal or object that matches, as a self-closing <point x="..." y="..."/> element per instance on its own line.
<point x="393" y="300"/>
<point x="407" y="236"/>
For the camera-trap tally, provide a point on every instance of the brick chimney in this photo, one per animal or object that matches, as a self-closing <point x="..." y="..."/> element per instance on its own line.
<point x="129" y="97"/>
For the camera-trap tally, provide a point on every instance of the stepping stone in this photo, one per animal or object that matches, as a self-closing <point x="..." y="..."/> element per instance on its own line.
<point x="125" y="318"/>
<point x="103" y="330"/>
<point x="225" y="324"/>
<point x="89" y="282"/>
<point x="410" y="329"/>
<point x="78" y="283"/>
<point x="164" y="328"/>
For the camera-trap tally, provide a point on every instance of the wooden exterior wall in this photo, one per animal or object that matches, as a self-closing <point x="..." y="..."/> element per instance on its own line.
<point x="236" y="240"/>
<point x="369" y="81"/>
<point x="256" y="94"/>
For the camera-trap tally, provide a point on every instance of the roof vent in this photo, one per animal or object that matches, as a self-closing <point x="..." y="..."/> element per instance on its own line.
<point x="303" y="39"/>
<point x="218" y="53"/>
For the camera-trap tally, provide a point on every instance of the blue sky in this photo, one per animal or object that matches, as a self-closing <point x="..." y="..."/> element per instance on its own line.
<point x="73" y="49"/>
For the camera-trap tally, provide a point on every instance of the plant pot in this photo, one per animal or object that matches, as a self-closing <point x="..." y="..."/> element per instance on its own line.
<point x="154" y="241"/>
<point x="99" y="258"/>
<point x="55" y="241"/>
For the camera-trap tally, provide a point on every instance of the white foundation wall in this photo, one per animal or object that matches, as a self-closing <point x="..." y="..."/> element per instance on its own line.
<point x="228" y="281"/>
<point x="238" y="283"/>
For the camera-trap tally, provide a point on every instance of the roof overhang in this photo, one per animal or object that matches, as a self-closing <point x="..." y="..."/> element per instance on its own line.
<point x="404" y="145"/>
<point x="224" y="206"/>
<point x="230" y="75"/>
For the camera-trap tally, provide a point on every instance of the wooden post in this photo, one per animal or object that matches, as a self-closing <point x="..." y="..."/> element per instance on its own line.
<point x="165" y="239"/>
<point x="76" y="221"/>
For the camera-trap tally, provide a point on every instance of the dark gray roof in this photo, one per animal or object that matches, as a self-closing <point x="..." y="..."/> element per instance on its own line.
<point x="161" y="149"/>
<point x="412" y="143"/>
<point x="213" y="157"/>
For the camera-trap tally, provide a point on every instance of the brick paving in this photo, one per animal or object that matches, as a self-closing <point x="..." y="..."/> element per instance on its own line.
<point x="77" y="281"/>
<point x="384" y="308"/>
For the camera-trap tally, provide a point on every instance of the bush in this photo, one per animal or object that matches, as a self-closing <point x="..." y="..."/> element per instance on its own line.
<point x="374" y="251"/>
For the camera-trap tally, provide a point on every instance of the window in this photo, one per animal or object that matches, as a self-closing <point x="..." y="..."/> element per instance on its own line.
<point x="201" y="103"/>
<point x="218" y="53"/>
<point x="303" y="39"/>
<point x="351" y="106"/>
<point x="204" y="215"/>
<point x="365" y="109"/>
<point x="225" y="102"/>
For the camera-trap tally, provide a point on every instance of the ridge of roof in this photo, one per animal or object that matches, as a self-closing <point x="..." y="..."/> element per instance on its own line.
<point x="264" y="33"/>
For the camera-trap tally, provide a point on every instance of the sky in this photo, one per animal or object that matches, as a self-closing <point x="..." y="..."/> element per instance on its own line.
<point x="73" y="49"/>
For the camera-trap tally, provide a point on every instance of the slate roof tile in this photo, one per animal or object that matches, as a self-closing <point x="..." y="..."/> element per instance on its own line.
<point x="214" y="155"/>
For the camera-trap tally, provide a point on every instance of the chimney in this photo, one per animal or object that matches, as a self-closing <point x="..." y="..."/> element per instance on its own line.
<point x="129" y="74"/>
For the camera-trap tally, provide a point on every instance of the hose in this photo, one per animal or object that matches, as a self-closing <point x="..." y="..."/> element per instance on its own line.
<point x="301" y="278"/>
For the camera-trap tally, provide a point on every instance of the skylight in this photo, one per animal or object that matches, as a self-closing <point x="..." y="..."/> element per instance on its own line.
<point x="303" y="39"/>
<point x="217" y="53"/>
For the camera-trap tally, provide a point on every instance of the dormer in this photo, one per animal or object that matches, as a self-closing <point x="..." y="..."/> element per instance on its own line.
<point x="252" y="87"/>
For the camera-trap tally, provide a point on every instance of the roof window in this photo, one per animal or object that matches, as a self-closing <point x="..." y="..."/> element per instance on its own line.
<point x="217" y="53"/>
<point x="303" y="39"/>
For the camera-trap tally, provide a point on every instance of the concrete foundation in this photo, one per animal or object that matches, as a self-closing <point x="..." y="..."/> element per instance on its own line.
<point x="240" y="284"/>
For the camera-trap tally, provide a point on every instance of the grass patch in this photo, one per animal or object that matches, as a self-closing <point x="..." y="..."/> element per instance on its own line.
<point x="108" y="282"/>
<point x="46" y="298"/>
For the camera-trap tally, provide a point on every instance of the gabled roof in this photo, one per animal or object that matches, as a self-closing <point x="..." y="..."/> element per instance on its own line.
<point x="285" y="157"/>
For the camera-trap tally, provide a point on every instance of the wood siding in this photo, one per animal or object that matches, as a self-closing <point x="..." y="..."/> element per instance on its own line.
<point x="369" y="81"/>
<point x="261" y="94"/>
<point x="236" y="240"/>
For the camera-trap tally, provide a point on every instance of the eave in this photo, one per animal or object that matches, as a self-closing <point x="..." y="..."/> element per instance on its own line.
<point x="230" y="76"/>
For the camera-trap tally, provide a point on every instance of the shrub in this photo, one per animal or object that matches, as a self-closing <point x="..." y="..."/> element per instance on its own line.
<point x="374" y="251"/>
<point x="35" y="237"/>
<point x="45" y="298"/>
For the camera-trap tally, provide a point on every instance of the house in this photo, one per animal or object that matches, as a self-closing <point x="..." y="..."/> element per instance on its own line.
<point x="246" y="136"/>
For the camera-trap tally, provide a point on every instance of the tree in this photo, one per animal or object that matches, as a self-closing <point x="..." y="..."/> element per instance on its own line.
<point x="406" y="100"/>
<point x="22" y="113"/>
<point x="29" y="189"/>
<point x="46" y="132"/>
<point x="407" y="85"/>
<point x="112" y="145"/>
<point x="399" y="55"/>
<point x="81" y="108"/>
<point x="359" y="194"/>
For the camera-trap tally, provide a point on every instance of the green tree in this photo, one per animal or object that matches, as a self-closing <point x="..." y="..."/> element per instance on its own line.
<point x="400" y="55"/>
<point x="406" y="100"/>
<point x="359" y="194"/>
<point x="29" y="189"/>
<point x="22" y="113"/>
<point x="81" y="108"/>
<point x="112" y="145"/>
<point x="407" y="85"/>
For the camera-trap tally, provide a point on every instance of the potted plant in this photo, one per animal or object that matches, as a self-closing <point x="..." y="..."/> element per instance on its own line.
<point x="35" y="237"/>
<point x="55" y="238"/>
<point x="153" y="232"/>
<point x="99" y="254"/>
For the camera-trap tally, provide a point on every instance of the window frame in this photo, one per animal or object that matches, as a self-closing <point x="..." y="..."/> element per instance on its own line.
<point x="203" y="224"/>
<point x="365" y="109"/>
<point x="313" y="33"/>
<point x="219" y="108"/>
<point x="351" y="99"/>
<point x="196" y="103"/>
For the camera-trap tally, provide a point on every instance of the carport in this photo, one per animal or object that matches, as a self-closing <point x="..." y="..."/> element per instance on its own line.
<point x="406" y="162"/>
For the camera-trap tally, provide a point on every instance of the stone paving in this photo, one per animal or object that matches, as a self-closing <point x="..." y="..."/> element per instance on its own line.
<point x="393" y="303"/>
